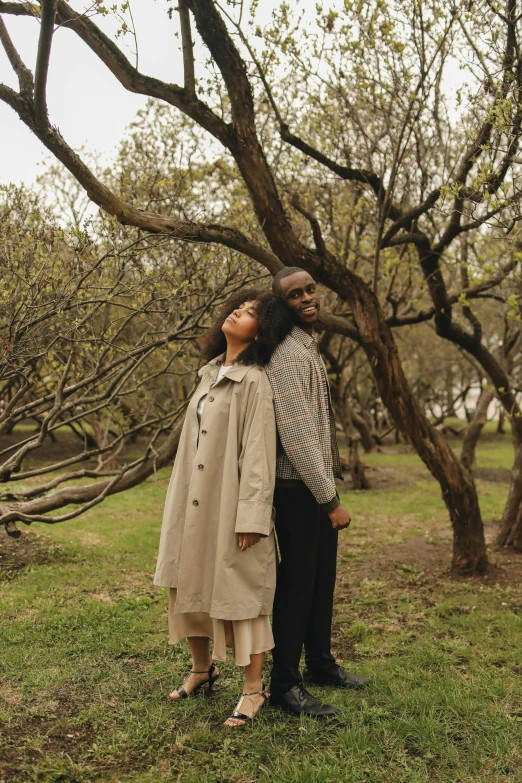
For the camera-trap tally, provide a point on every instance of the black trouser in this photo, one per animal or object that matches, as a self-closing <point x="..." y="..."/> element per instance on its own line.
<point x="305" y="585"/>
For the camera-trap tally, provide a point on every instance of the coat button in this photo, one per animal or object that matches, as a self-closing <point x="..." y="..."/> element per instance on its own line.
<point x="195" y="503"/>
<point x="211" y="399"/>
<point x="203" y="432"/>
<point x="200" y="467"/>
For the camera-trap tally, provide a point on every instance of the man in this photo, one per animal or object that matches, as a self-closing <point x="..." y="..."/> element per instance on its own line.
<point x="308" y="512"/>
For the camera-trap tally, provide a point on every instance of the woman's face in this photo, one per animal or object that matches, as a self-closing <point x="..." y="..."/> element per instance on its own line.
<point x="242" y="324"/>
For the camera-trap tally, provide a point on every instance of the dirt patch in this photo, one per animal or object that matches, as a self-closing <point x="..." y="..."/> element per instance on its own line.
<point x="426" y="560"/>
<point x="49" y="725"/>
<point x="16" y="752"/>
<point x="68" y="744"/>
<point x="493" y="474"/>
<point x="64" y="446"/>
<point x="384" y="478"/>
<point x="16" y="554"/>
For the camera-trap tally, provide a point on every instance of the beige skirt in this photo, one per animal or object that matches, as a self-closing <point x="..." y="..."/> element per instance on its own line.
<point x="245" y="637"/>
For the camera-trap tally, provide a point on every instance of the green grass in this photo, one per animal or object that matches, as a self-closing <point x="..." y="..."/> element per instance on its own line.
<point x="86" y="666"/>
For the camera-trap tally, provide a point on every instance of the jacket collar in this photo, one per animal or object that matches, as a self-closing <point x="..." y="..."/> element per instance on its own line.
<point x="236" y="373"/>
<point x="302" y="337"/>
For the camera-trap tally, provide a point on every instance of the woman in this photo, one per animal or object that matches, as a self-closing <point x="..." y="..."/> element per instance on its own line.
<point x="217" y="549"/>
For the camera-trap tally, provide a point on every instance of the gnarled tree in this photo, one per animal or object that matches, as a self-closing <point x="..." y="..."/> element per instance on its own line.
<point x="363" y="86"/>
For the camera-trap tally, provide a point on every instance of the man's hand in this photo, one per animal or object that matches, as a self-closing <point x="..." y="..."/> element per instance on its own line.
<point x="246" y="540"/>
<point x="340" y="518"/>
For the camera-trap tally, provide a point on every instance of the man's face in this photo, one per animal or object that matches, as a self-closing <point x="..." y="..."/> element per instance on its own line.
<point x="300" y="293"/>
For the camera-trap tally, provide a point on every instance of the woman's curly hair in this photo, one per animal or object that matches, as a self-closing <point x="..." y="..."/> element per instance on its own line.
<point x="275" y="322"/>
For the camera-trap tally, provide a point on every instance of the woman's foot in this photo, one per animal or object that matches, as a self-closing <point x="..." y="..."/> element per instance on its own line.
<point x="247" y="708"/>
<point x="193" y="682"/>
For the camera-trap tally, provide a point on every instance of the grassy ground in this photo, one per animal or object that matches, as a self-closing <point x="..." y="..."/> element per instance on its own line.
<point x="85" y="666"/>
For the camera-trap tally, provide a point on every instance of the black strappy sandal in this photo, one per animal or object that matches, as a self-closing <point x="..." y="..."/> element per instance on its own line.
<point x="239" y="715"/>
<point x="182" y="693"/>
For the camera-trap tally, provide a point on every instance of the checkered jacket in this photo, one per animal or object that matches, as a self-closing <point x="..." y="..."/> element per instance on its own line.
<point x="307" y="448"/>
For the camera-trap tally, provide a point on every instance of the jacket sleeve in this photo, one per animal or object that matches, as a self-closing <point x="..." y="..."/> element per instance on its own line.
<point x="257" y="460"/>
<point x="296" y="427"/>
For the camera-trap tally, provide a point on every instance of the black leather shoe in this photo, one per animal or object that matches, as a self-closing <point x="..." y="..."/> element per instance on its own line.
<point x="336" y="677"/>
<point x="299" y="702"/>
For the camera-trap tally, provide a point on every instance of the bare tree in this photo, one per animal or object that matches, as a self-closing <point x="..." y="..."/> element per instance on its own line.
<point x="100" y="343"/>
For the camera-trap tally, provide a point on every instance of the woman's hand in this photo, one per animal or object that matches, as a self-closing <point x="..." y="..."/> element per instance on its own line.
<point x="246" y="540"/>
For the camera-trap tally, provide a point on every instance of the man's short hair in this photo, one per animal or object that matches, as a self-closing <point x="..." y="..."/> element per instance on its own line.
<point x="286" y="272"/>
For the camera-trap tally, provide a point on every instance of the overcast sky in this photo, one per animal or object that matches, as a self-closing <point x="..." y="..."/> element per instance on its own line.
<point x="85" y="101"/>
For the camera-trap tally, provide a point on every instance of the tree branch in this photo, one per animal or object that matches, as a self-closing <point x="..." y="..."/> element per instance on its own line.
<point x="473" y="292"/>
<point x="314" y="223"/>
<point x="128" y="76"/>
<point x="344" y="172"/>
<point x="126" y="213"/>
<point x="25" y="77"/>
<point x="213" y="30"/>
<point x="42" y="61"/>
<point x="339" y="325"/>
<point x="246" y="147"/>
<point x="19" y="9"/>
<point x="188" y="49"/>
<point x="91" y="494"/>
<point x="409" y="217"/>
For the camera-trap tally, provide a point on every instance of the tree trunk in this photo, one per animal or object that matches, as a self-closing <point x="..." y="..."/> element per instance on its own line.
<point x="357" y="472"/>
<point x="355" y="466"/>
<point x="456" y="481"/>
<point x="367" y="440"/>
<point x="83" y="435"/>
<point x="449" y="394"/>
<point x="501" y="419"/>
<point x="511" y="525"/>
<point x="50" y="435"/>
<point x="496" y="371"/>
<point x="474" y="429"/>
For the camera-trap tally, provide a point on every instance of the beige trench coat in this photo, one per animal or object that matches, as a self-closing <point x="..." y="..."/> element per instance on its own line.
<point x="222" y="484"/>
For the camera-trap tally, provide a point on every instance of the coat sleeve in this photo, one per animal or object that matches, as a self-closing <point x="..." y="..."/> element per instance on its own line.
<point x="296" y="427"/>
<point x="257" y="460"/>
